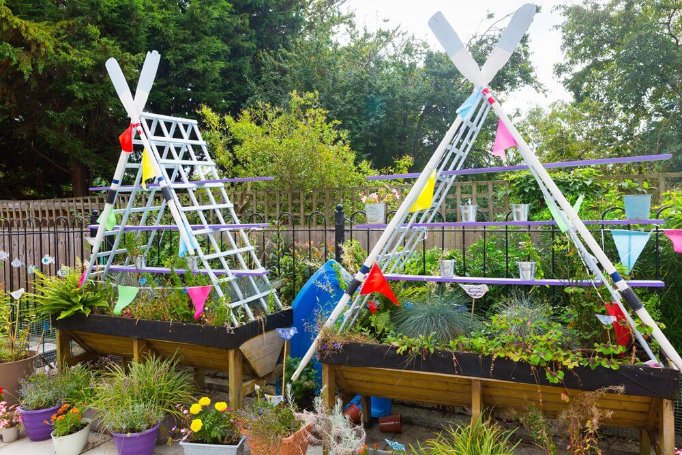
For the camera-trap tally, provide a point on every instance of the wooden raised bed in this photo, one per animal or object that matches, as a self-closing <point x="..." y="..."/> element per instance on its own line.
<point x="474" y="381"/>
<point x="198" y="346"/>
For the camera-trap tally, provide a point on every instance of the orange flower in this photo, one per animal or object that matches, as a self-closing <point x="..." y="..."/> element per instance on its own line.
<point x="60" y="418"/>
<point x="74" y="411"/>
<point x="54" y="416"/>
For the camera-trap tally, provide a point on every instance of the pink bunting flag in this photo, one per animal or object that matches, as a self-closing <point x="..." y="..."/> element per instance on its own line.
<point x="82" y="279"/>
<point x="199" y="294"/>
<point x="503" y="140"/>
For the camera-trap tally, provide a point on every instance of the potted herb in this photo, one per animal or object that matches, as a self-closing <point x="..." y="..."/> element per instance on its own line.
<point x="375" y="203"/>
<point x="274" y="429"/>
<point x="63" y="297"/>
<point x="210" y="429"/>
<point x="131" y="243"/>
<point x="71" y="430"/>
<point x="130" y="405"/>
<point x="333" y="430"/>
<point x="16" y="360"/>
<point x="9" y="420"/>
<point x="41" y="396"/>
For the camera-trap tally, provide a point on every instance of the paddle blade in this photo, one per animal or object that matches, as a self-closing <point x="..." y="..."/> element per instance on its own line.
<point x="508" y="42"/>
<point x="147" y="76"/>
<point x="121" y="87"/>
<point x="455" y="48"/>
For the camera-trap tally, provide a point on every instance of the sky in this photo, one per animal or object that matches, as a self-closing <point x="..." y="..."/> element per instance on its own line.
<point x="468" y="17"/>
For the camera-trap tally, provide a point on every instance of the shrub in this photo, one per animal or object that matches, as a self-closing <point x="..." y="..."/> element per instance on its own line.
<point x="41" y="391"/>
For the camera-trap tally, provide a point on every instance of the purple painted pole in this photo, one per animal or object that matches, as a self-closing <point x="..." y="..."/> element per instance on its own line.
<point x="516" y="281"/>
<point x="197" y="182"/>
<point x="510" y="223"/>
<point x="166" y="270"/>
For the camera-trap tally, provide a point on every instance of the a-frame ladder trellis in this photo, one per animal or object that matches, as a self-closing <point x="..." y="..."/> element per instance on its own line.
<point x="188" y="188"/>
<point x="400" y="237"/>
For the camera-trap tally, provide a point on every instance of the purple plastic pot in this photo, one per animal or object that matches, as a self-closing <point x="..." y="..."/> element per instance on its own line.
<point x="136" y="443"/>
<point x="35" y="423"/>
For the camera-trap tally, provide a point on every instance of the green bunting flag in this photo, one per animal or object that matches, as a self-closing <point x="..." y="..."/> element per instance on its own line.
<point x="110" y="222"/>
<point x="557" y="213"/>
<point x="126" y="294"/>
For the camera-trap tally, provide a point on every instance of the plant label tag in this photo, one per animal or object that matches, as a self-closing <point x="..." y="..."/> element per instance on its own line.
<point x="475" y="291"/>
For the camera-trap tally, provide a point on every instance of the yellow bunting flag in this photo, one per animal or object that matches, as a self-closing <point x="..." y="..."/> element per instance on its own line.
<point x="425" y="198"/>
<point x="147" y="168"/>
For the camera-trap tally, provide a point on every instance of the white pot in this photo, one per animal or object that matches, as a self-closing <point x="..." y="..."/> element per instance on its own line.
<point x="527" y="270"/>
<point x="468" y="213"/>
<point x="375" y="213"/>
<point x="192" y="448"/>
<point x="9" y="434"/>
<point x="520" y="212"/>
<point x="447" y="268"/>
<point x="72" y="444"/>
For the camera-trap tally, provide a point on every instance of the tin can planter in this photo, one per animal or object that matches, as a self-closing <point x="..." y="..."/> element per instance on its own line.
<point x="12" y="372"/>
<point x="468" y="212"/>
<point x="390" y="424"/>
<point x="637" y="206"/>
<point x="193" y="448"/>
<point x="447" y="268"/>
<point x="9" y="434"/>
<point x="520" y="212"/>
<point x="527" y="270"/>
<point x="72" y="444"/>
<point x="140" y="262"/>
<point x="353" y="413"/>
<point x="36" y="423"/>
<point x="375" y="213"/>
<point x="675" y="236"/>
<point x="142" y="443"/>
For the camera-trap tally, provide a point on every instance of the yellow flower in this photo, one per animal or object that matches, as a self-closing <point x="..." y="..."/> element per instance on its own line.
<point x="204" y="401"/>
<point x="196" y="425"/>
<point x="195" y="409"/>
<point x="220" y="406"/>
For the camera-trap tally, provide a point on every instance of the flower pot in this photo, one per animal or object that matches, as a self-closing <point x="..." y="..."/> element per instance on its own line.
<point x="447" y="268"/>
<point x="520" y="212"/>
<point x="296" y="444"/>
<point x="12" y="372"/>
<point x="675" y="236"/>
<point x="193" y="448"/>
<point x="36" y="423"/>
<point x="142" y="443"/>
<point x="390" y="424"/>
<point x="353" y="413"/>
<point x="375" y="213"/>
<point x="527" y="270"/>
<point x="637" y="206"/>
<point x="9" y="434"/>
<point x="468" y="212"/>
<point x="140" y="262"/>
<point x="72" y="444"/>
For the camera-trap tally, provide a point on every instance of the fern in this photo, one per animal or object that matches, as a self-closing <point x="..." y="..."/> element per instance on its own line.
<point x="62" y="296"/>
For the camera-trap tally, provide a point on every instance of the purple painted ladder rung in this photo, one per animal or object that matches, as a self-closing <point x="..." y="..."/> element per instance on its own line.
<point x="521" y="167"/>
<point x="166" y="270"/>
<point x="172" y="227"/>
<point x="518" y="281"/>
<point x="197" y="182"/>
<point x="509" y="223"/>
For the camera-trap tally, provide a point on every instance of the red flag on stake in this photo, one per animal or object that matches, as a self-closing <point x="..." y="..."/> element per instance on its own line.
<point x="126" y="138"/>
<point x="199" y="294"/>
<point x="376" y="282"/>
<point x="623" y="334"/>
<point x="503" y="140"/>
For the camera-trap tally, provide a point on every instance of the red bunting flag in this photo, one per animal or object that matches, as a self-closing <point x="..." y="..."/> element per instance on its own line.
<point x="620" y="327"/>
<point x="376" y="282"/>
<point x="126" y="138"/>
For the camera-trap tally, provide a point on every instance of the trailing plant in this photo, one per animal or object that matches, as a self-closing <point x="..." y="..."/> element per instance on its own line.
<point x="207" y="423"/>
<point x="302" y="389"/>
<point x="16" y="322"/>
<point x="67" y="420"/>
<point x="64" y="297"/>
<point x="478" y="438"/>
<point x="136" y="400"/>
<point x="539" y="428"/>
<point x="420" y="346"/>
<point x="442" y="316"/>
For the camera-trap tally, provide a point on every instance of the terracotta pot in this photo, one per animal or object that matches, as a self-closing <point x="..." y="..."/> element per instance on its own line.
<point x="390" y="424"/>
<point x="12" y="372"/>
<point x="353" y="413"/>
<point x="296" y="444"/>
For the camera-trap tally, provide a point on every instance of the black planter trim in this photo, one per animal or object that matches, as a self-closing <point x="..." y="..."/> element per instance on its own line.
<point x="637" y="380"/>
<point x="203" y="335"/>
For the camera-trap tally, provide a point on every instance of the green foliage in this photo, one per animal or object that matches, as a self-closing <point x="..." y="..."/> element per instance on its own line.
<point x="672" y="215"/>
<point x="298" y="145"/>
<point x="67" y="420"/>
<point x="79" y="382"/>
<point x="419" y="346"/>
<point x="62" y="297"/>
<point x="525" y="312"/>
<point x="267" y="423"/>
<point x="478" y="438"/>
<point x="539" y="428"/>
<point x="16" y="322"/>
<point x="41" y="391"/>
<point x="443" y="316"/>
<point x="303" y="389"/>
<point x="136" y="400"/>
<point x="218" y="424"/>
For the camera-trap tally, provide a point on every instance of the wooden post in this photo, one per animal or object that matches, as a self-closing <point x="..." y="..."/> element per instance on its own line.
<point x="234" y="378"/>
<point x="366" y="409"/>
<point x="644" y="443"/>
<point x="63" y="341"/>
<point x="328" y="386"/>
<point x="666" y="432"/>
<point x="139" y="350"/>
<point x="475" y="400"/>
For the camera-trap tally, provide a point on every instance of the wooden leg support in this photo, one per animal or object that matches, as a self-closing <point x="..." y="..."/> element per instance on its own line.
<point x="235" y="377"/>
<point x="667" y="428"/>
<point x="140" y="350"/>
<point x="63" y="341"/>
<point x="200" y="377"/>
<point x="366" y="409"/>
<point x="644" y="444"/>
<point x="476" y="402"/>
<point x="328" y="385"/>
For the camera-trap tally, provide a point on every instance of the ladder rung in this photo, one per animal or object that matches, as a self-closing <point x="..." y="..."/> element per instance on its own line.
<point x="223" y="254"/>
<point x="175" y="140"/>
<point x="251" y="298"/>
<point x="186" y="162"/>
<point x="109" y="253"/>
<point x="206" y="207"/>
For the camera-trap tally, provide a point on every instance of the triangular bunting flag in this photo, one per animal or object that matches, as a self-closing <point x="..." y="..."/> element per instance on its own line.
<point x="199" y="294"/>
<point x="630" y="245"/>
<point x="425" y="198"/>
<point x="126" y="294"/>
<point x="126" y="139"/>
<point x="182" y="249"/>
<point x="675" y="236"/>
<point x="81" y="280"/>
<point x="503" y="140"/>
<point x="622" y="330"/>
<point x="110" y="221"/>
<point x="376" y="282"/>
<point x="466" y="106"/>
<point x="147" y="168"/>
<point x="557" y="212"/>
